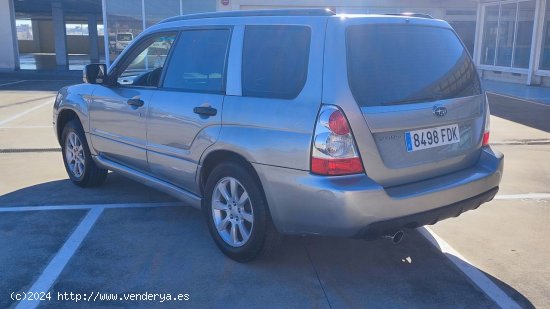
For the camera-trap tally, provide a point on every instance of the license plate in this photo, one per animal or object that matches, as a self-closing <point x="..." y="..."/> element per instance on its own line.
<point x="432" y="137"/>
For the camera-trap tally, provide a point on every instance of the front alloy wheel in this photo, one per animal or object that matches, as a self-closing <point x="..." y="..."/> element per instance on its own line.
<point x="77" y="158"/>
<point x="74" y="155"/>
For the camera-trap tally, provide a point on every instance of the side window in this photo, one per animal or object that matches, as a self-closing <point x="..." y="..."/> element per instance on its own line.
<point x="275" y="61"/>
<point x="145" y="68"/>
<point x="199" y="60"/>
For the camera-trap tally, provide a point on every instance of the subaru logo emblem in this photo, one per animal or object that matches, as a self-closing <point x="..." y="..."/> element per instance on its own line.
<point x="439" y="111"/>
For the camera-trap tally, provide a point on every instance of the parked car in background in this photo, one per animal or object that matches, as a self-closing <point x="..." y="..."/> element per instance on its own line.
<point x="290" y="121"/>
<point x="123" y="39"/>
<point x="112" y="43"/>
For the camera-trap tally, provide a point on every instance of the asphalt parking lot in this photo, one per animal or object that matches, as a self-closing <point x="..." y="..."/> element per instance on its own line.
<point x="126" y="238"/>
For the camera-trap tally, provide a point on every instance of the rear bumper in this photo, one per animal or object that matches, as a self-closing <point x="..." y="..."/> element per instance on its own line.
<point x="428" y="217"/>
<point x="356" y="206"/>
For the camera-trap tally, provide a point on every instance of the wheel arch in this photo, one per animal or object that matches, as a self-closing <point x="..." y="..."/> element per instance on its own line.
<point x="216" y="157"/>
<point x="72" y="103"/>
<point x="63" y="118"/>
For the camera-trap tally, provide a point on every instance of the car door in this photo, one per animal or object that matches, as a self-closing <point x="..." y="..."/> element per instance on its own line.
<point x="184" y="116"/>
<point x="118" y="112"/>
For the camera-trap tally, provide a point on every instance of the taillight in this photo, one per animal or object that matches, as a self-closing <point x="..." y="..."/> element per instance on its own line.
<point x="486" y="138"/>
<point x="337" y="123"/>
<point x="487" y="129"/>
<point x="334" y="151"/>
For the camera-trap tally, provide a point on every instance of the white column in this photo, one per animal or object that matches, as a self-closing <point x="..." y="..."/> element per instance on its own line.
<point x="9" y="52"/>
<point x="60" y="36"/>
<point x="479" y="33"/>
<point x="93" y="38"/>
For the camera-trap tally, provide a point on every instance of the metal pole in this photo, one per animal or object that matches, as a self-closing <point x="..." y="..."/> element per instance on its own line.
<point x="536" y="39"/>
<point x="515" y="36"/>
<point x="105" y="33"/>
<point x="143" y="29"/>
<point x="498" y="34"/>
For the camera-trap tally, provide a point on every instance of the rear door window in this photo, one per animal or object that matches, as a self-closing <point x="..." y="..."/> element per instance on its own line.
<point x="402" y="64"/>
<point x="275" y="61"/>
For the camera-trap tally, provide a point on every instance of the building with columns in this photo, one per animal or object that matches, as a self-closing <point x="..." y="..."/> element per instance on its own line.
<point x="509" y="40"/>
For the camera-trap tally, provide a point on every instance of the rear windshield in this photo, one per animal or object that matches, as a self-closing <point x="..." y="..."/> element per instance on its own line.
<point x="402" y="64"/>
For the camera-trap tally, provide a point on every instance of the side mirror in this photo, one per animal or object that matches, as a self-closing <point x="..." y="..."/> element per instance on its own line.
<point x="94" y="73"/>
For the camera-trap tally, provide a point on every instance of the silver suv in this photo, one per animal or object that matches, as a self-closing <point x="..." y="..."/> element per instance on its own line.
<point x="289" y="121"/>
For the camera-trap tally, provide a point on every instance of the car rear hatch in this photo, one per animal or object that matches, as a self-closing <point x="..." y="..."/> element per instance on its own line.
<point x="419" y="96"/>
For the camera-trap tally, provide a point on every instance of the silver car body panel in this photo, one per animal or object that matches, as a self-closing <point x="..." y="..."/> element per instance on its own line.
<point x="118" y="130"/>
<point x="344" y="205"/>
<point x="74" y="98"/>
<point x="275" y="136"/>
<point x="177" y="137"/>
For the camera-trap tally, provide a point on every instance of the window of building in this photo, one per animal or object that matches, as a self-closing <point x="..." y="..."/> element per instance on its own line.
<point x="134" y="16"/>
<point x="199" y="61"/>
<point x="24" y="29"/>
<point x="123" y="17"/>
<point x="507" y="33"/>
<point x="466" y="31"/>
<point x="100" y="30"/>
<point x="155" y="12"/>
<point x="490" y="28"/>
<point x="81" y="29"/>
<point x="545" y="52"/>
<point x="524" y="34"/>
<point x="76" y="29"/>
<point x="275" y="61"/>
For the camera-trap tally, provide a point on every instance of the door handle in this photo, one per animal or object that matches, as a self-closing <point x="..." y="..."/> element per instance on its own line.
<point x="135" y="102"/>
<point x="205" y="111"/>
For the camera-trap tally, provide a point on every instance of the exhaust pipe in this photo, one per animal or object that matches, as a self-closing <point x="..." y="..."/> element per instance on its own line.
<point x="395" y="238"/>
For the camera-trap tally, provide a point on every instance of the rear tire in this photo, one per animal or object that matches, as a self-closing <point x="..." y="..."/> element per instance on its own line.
<point x="237" y="213"/>
<point x="77" y="157"/>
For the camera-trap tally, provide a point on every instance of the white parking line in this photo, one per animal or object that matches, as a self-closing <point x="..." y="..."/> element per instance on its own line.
<point x="91" y="206"/>
<point x="57" y="264"/>
<point x="470" y="270"/>
<point x="12" y="83"/>
<point x="30" y="110"/>
<point x="528" y="196"/>
<point x="28" y="127"/>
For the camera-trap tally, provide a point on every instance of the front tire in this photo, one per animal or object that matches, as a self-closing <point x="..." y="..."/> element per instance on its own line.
<point x="236" y="212"/>
<point x="77" y="158"/>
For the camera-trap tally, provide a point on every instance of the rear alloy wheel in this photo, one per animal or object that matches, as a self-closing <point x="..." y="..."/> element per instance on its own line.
<point x="236" y="212"/>
<point x="232" y="212"/>
<point x="79" y="164"/>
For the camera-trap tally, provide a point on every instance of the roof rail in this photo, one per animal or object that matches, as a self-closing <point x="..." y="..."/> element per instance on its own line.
<point x="419" y="15"/>
<point x="283" y="12"/>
